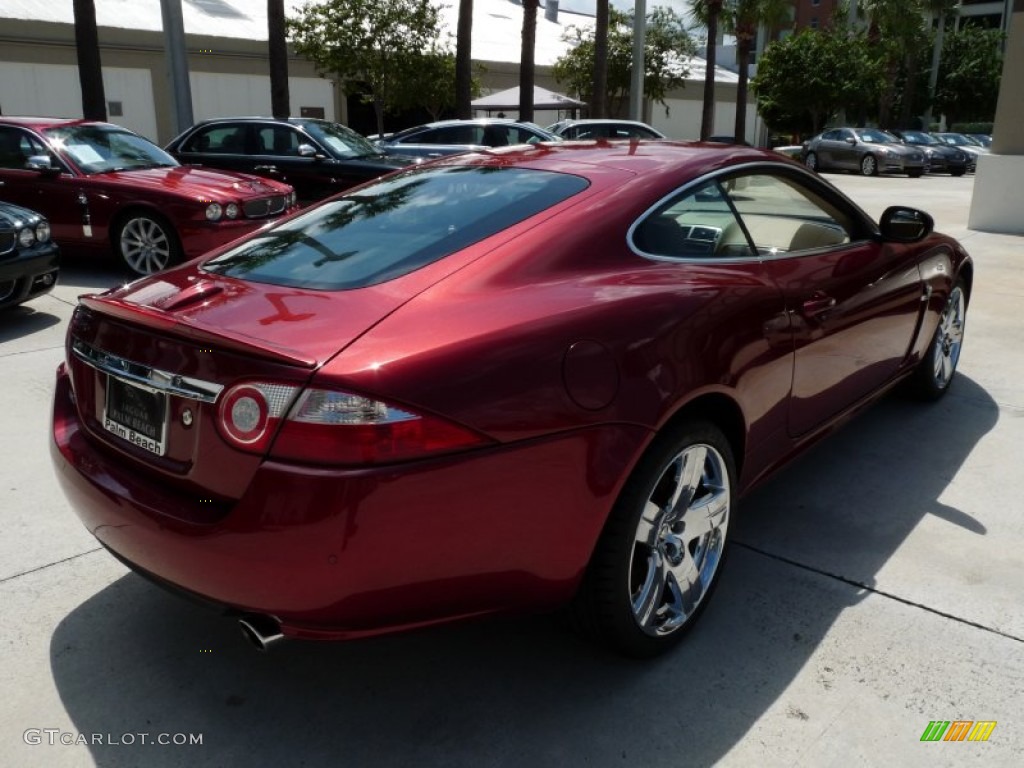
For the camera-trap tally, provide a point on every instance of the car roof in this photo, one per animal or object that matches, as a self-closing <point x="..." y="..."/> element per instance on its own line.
<point x="47" y="122"/>
<point x="675" y="160"/>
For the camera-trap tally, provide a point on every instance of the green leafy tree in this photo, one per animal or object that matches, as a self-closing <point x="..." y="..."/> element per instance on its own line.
<point x="741" y="18"/>
<point x="433" y="86"/>
<point x="968" y="84"/>
<point x="805" y="79"/>
<point x="897" y="33"/>
<point x="667" y="49"/>
<point x="378" y="43"/>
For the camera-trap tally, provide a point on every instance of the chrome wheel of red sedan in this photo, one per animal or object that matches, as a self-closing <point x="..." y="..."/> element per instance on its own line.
<point x="146" y="245"/>
<point x="680" y="539"/>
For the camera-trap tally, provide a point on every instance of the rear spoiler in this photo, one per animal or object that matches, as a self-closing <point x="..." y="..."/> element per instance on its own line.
<point x="154" y="318"/>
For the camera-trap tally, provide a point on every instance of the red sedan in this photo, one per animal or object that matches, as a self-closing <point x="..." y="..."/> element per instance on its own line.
<point x="105" y="188"/>
<point x="505" y="381"/>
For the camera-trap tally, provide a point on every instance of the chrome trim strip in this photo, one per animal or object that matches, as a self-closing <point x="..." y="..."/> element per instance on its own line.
<point x="152" y="379"/>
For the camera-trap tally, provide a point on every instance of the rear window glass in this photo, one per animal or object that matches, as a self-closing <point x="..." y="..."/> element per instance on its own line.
<point x="395" y="226"/>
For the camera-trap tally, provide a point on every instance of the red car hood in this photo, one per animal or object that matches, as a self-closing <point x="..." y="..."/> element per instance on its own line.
<point x="194" y="182"/>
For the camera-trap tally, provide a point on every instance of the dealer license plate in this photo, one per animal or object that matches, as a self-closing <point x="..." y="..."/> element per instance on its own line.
<point x="136" y="415"/>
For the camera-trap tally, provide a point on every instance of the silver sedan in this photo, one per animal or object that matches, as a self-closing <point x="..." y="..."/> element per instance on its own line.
<point x="867" y="150"/>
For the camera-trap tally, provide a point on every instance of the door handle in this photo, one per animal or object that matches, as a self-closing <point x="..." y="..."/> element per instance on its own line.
<point x="267" y="168"/>
<point x="818" y="304"/>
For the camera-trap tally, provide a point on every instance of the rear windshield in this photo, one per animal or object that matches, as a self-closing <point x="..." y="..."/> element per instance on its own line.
<point x="394" y="227"/>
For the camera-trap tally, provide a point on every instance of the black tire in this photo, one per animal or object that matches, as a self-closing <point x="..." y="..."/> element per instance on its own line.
<point x="811" y="161"/>
<point x="869" y="165"/>
<point x="145" y="242"/>
<point x="935" y="373"/>
<point x="676" y="574"/>
<point x="915" y="174"/>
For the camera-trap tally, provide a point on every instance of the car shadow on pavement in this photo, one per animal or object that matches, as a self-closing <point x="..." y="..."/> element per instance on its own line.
<point x="526" y="692"/>
<point x="24" y="320"/>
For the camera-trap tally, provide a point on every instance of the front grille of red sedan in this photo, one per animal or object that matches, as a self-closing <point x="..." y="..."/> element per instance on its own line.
<point x="267" y="206"/>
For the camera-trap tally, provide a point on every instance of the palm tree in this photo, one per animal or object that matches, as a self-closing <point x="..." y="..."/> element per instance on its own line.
<point x="464" y="61"/>
<point x="599" y="98"/>
<point x="90" y="68"/>
<point x="708" y="13"/>
<point x="939" y="9"/>
<point x="526" y="68"/>
<point x="742" y="18"/>
<point x="278" y="50"/>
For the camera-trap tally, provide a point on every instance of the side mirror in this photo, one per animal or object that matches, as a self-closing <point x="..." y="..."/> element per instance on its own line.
<point x="43" y="164"/>
<point x="307" y="150"/>
<point x="900" y="224"/>
<point x="851" y="141"/>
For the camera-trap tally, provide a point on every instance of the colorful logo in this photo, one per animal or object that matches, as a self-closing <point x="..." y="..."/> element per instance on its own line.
<point x="958" y="730"/>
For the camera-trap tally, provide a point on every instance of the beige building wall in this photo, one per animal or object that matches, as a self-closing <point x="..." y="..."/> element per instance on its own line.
<point x="133" y="57"/>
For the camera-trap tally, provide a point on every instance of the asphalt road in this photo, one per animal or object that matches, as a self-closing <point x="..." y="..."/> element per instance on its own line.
<point x="874" y="586"/>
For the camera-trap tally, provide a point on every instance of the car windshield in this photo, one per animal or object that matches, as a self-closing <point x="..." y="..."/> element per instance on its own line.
<point x="342" y="141"/>
<point x="958" y="139"/>
<point x="106" y="148"/>
<point x="394" y="227"/>
<point x="917" y="137"/>
<point x="876" y="137"/>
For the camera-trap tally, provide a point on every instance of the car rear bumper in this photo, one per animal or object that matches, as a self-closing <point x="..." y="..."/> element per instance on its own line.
<point x="342" y="553"/>
<point x="27" y="275"/>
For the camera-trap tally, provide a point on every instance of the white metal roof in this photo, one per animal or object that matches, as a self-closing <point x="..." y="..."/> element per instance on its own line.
<point x="497" y="24"/>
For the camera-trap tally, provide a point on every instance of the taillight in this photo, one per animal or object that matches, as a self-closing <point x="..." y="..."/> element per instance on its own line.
<point x="248" y="413"/>
<point x="330" y="427"/>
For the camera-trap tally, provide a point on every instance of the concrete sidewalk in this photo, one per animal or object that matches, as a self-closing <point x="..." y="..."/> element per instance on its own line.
<point x="874" y="586"/>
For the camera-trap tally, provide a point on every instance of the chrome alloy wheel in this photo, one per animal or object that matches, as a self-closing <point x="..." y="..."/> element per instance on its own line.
<point x="948" y="339"/>
<point x="869" y="166"/>
<point x="679" y="540"/>
<point x="145" y="245"/>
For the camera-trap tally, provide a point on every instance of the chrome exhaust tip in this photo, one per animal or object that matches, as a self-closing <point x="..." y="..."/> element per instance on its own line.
<point x="260" y="630"/>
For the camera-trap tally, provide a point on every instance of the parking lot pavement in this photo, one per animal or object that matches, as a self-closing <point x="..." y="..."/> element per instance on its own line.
<point x="874" y="586"/>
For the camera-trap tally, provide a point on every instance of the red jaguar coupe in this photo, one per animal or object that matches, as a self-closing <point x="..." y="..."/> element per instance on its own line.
<point x="505" y="381"/>
<point x="105" y="189"/>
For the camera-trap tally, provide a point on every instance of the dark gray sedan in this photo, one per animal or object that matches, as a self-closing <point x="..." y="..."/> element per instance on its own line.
<point x="938" y="156"/>
<point x="867" y="150"/>
<point x="318" y="158"/>
<point x="29" y="259"/>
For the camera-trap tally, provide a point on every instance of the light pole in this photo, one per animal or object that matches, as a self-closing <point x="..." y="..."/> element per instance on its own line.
<point x="177" y="63"/>
<point x="636" y="88"/>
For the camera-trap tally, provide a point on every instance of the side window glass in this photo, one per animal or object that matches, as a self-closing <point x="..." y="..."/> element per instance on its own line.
<point x="700" y="224"/>
<point x="830" y="135"/>
<point x="782" y="215"/>
<point x="278" y="140"/>
<point x="218" y="139"/>
<point x="13" y="148"/>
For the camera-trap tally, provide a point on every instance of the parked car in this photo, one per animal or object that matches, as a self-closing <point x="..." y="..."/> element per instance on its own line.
<point x="604" y="129"/>
<point x="983" y="139"/>
<point x="318" y="158"/>
<point x="449" y="137"/>
<point x="29" y="259"/>
<point x="867" y="150"/>
<point x="105" y="188"/>
<point x="495" y="383"/>
<point x="962" y="142"/>
<point x="938" y="155"/>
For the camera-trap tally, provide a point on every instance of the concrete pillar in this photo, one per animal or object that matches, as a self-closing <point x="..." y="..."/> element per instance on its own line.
<point x="997" y="205"/>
